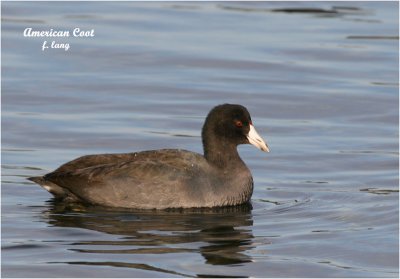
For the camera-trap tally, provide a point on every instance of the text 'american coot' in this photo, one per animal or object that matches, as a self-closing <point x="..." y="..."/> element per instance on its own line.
<point x="166" y="178"/>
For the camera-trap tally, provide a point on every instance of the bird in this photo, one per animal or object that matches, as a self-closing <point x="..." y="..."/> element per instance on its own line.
<point x="166" y="178"/>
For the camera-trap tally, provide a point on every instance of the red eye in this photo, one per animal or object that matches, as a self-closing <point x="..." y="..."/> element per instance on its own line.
<point x="238" y="123"/>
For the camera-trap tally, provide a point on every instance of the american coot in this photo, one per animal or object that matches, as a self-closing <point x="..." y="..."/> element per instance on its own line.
<point x="166" y="178"/>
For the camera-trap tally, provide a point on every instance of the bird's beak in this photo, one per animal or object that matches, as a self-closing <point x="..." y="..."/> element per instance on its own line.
<point x="256" y="140"/>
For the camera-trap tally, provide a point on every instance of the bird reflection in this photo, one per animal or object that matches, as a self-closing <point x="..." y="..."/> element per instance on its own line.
<point x="220" y="235"/>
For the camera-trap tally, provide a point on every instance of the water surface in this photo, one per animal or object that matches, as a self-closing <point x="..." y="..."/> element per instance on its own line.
<point x="319" y="78"/>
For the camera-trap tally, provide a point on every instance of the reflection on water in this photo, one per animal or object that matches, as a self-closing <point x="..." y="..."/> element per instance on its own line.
<point x="334" y="11"/>
<point x="221" y="235"/>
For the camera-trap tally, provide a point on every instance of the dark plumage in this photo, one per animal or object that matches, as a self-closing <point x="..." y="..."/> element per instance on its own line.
<point x="166" y="178"/>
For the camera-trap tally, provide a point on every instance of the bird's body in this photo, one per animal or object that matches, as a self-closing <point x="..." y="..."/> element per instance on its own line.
<point x="165" y="178"/>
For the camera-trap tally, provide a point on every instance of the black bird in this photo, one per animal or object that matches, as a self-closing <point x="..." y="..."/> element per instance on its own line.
<point x="166" y="178"/>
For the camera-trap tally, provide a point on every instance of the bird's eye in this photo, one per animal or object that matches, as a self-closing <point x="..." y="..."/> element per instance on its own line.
<point x="238" y="123"/>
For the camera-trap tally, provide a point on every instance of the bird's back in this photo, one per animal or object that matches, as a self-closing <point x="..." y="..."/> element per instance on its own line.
<point x="150" y="179"/>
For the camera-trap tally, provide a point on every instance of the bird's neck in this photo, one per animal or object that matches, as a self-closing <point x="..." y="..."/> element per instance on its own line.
<point x="222" y="156"/>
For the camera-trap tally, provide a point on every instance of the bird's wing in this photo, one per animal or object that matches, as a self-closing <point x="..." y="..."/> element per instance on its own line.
<point x="130" y="182"/>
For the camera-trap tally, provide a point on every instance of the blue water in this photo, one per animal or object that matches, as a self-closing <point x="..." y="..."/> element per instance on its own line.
<point x="321" y="80"/>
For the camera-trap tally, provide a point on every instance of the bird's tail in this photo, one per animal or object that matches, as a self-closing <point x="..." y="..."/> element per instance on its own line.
<point x="51" y="187"/>
<point x="37" y="179"/>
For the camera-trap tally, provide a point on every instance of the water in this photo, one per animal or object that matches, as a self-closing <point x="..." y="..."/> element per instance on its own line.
<point x="321" y="85"/>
